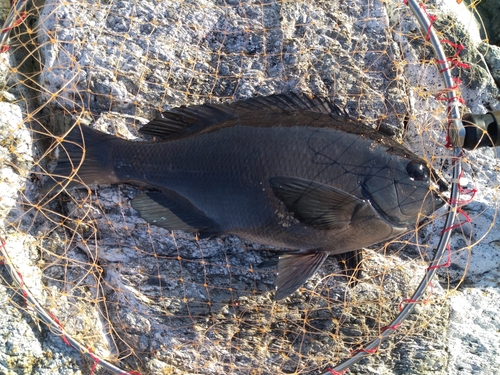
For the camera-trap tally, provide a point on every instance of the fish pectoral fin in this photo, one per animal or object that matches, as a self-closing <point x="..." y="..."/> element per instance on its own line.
<point x="350" y="262"/>
<point x="320" y="205"/>
<point x="172" y="211"/>
<point x="294" y="270"/>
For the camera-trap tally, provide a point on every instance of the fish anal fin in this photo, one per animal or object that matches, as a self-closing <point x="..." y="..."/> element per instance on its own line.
<point x="320" y="205"/>
<point x="294" y="270"/>
<point x="173" y="212"/>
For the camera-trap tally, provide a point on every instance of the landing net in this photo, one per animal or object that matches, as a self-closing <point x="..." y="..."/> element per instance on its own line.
<point x="134" y="298"/>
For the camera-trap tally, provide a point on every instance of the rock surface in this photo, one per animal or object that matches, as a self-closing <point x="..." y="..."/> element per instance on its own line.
<point x="171" y="304"/>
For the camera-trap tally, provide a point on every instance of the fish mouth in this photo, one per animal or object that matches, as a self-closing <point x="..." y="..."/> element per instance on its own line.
<point x="439" y="184"/>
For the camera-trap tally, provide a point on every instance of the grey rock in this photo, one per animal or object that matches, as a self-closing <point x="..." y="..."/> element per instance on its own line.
<point x="25" y="346"/>
<point x="156" y="70"/>
<point x="492" y="57"/>
<point x="487" y="16"/>
<point x="169" y="303"/>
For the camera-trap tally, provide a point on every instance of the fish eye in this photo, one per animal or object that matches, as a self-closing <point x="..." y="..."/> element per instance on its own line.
<point x="417" y="170"/>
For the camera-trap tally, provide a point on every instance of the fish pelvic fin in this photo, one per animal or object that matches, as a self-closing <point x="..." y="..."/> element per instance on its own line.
<point x="83" y="159"/>
<point x="350" y="262"/>
<point x="294" y="270"/>
<point x="171" y="211"/>
<point x="185" y="121"/>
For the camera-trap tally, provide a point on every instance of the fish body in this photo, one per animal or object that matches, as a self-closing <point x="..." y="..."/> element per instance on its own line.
<point x="285" y="171"/>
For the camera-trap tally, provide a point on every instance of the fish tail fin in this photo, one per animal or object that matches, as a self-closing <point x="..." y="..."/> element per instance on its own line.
<point x="83" y="159"/>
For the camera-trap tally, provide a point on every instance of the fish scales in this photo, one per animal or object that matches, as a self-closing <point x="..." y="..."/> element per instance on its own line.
<point x="231" y="182"/>
<point x="312" y="181"/>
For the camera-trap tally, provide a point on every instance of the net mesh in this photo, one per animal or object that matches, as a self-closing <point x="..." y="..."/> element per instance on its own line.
<point x="154" y="301"/>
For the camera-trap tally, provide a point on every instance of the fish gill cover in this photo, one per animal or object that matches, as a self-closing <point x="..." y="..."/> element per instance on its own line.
<point x="153" y="301"/>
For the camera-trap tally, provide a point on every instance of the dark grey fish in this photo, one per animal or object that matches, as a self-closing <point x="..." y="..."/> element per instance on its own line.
<point x="286" y="171"/>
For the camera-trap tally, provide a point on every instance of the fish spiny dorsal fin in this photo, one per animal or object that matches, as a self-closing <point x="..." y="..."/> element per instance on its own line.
<point x="184" y="121"/>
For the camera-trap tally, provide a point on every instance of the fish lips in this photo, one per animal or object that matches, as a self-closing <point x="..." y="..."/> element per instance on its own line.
<point x="401" y="202"/>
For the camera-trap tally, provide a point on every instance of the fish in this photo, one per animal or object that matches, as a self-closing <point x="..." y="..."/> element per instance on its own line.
<point x="293" y="172"/>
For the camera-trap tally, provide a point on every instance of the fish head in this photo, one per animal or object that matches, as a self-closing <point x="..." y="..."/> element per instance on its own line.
<point x="404" y="191"/>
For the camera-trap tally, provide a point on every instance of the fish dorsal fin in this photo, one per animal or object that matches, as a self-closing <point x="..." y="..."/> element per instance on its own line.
<point x="171" y="211"/>
<point x="183" y="121"/>
<point x="322" y="206"/>
<point x="294" y="270"/>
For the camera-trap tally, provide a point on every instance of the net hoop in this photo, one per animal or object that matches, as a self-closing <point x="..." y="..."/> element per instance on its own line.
<point x="456" y="134"/>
